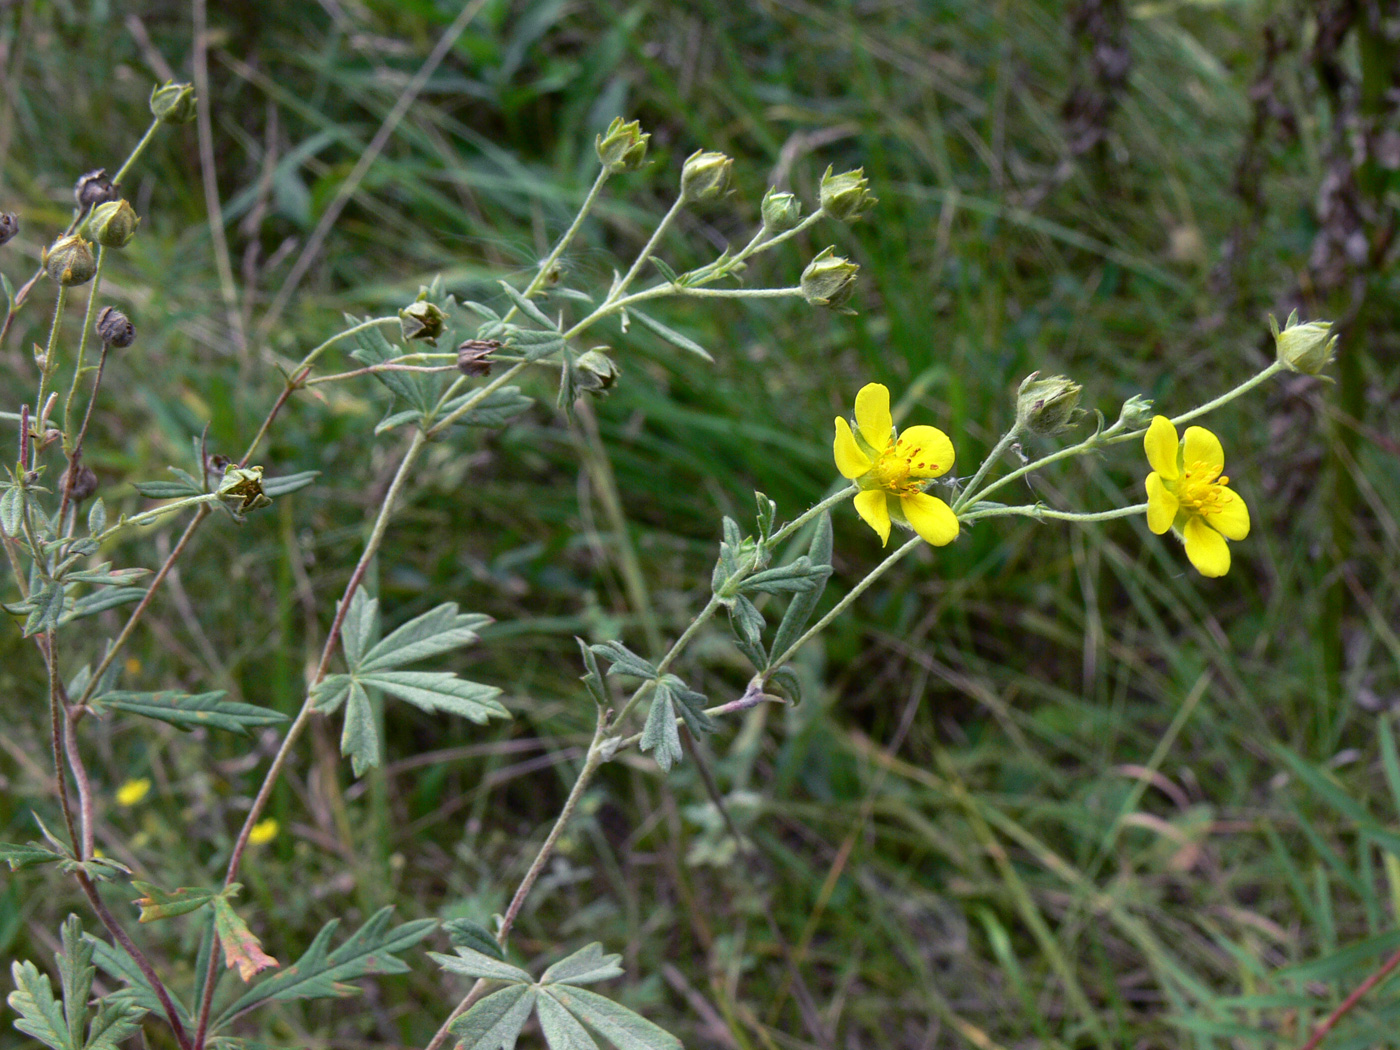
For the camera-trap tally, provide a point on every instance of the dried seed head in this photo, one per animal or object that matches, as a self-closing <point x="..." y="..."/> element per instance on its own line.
<point x="9" y="226"/>
<point x="474" y="356"/>
<point x="69" y="261"/>
<point x="84" y="484"/>
<point x="95" y="188"/>
<point x="114" y="329"/>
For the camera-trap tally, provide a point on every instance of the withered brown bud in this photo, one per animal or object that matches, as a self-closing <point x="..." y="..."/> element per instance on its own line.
<point x="473" y="356"/>
<point x="84" y="484"/>
<point x="95" y="188"/>
<point x="114" y="329"/>
<point x="9" y="226"/>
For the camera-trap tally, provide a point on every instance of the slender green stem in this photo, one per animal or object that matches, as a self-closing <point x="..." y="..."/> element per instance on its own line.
<point x="621" y="288"/>
<point x="470" y="403"/>
<point x="1247" y="385"/>
<point x="311" y="358"/>
<point x="157" y="512"/>
<point x="82" y="350"/>
<point x="50" y="364"/>
<point x="1044" y="513"/>
<point x="841" y="606"/>
<point x="137" y="150"/>
<point x="987" y="464"/>
<point x="810" y="513"/>
<point x="542" y="274"/>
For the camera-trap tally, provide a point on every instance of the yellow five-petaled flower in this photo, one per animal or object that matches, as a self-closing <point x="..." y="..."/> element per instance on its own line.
<point x="892" y="469"/>
<point x="1187" y="493"/>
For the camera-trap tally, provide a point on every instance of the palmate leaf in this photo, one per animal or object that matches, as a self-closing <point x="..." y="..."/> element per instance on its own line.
<point x="191" y="710"/>
<point x="321" y="973"/>
<point x="116" y="963"/>
<point x="40" y="1014"/>
<point x="415" y="388"/>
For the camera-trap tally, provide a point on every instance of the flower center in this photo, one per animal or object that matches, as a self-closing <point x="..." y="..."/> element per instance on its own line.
<point x="903" y="468"/>
<point x="1200" y="489"/>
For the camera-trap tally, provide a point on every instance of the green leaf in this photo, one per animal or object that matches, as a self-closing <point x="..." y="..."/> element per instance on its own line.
<point x="288" y="483"/>
<point x="75" y="973"/>
<point x="439" y="691"/>
<point x="786" y="679"/>
<point x="767" y="510"/>
<point x="660" y="735"/>
<point x="496" y="409"/>
<point x="795" y="577"/>
<point x="374" y="349"/>
<point x="97" y="516"/>
<point x="624" y="661"/>
<point x="242" y="950"/>
<point x="463" y="933"/>
<point x="330" y="692"/>
<point x="26" y="856"/>
<point x="166" y="489"/>
<point x="358" y="628"/>
<point x="804" y="603"/>
<point x="46" y="607"/>
<point x="397" y="419"/>
<point x="482" y="310"/>
<point x="191" y="710"/>
<point x="157" y="903"/>
<point x="115" y="962"/>
<point x="496" y="1021"/>
<point x="105" y="576"/>
<point x="692" y="705"/>
<point x="526" y="307"/>
<point x="562" y="1030"/>
<point x="359" y="739"/>
<point x="472" y="963"/>
<point x="40" y="1014"/>
<point x="12" y="511"/>
<point x="117" y="1019"/>
<point x="593" y="679"/>
<point x="620" y="1026"/>
<point x="588" y="965"/>
<point x="747" y="624"/>
<point x="320" y="973"/>
<point x="100" y="601"/>
<point x="666" y="271"/>
<point x="670" y="334"/>
<point x="437" y="631"/>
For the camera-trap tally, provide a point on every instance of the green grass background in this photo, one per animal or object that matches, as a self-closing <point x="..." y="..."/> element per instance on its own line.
<point x="1048" y="787"/>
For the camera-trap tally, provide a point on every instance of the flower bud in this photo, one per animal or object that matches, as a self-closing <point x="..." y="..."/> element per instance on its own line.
<point x="95" y="188"/>
<point x="780" y="211"/>
<point x="84" y="484"/>
<point x="421" y="320"/>
<point x="114" y="329"/>
<point x="623" y="147"/>
<point x="243" y="486"/>
<point x="1306" y="348"/>
<point x="846" y="197"/>
<point x="9" y="226"/>
<point x="595" y="371"/>
<point x="474" y="356"/>
<point x="828" y="279"/>
<point x="1047" y="406"/>
<point x="113" y="224"/>
<point x="69" y="261"/>
<point x="705" y="176"/>
<point x="173" y="103"/>
<point x="1136" y="413"/>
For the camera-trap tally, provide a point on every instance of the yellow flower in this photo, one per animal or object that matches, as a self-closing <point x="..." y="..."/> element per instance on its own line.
<point x="133" y="791"/>
<point x="892" y="470"/>
<point x="1186" y="493"/>
<point x="263" y="831"/>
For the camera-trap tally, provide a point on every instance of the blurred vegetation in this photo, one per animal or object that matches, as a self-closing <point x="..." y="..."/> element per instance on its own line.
<point x="1049" y="787"/>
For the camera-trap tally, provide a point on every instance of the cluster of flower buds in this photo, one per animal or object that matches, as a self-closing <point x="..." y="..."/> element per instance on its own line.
<point x="623" y="147"/>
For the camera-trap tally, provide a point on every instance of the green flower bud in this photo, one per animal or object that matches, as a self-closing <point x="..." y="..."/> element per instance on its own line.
<point x="1047" y="406"/>
<point x="705" y="176"/>
<point x="113" y="224"/>
<point x="828" y="280"/>
<point x="173" y="103"/>
<point x="95" y="188"/>
<point x="846" y="197"/>
<point x="1306" y="348"/>
<point x="114" y="329"/>
<point x="1136" y="413"/>
<point x="595" y="371"/>
<point x="623" y="147"/>
<point x="421" y="320"/>
<point x="242" y="489"/>
<point x="9" y="226"/>
<point x="69" y="261"/>
<point x="781" y="211"/>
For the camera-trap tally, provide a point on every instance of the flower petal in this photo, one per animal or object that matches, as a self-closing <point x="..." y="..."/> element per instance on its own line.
<point x="1206" y="548"/>
<point x="1162" y="504"/>
<point x="873" y="415"/>
<point x="1229" y="517"/>
<point x="850" y="460"/>
<point x="932" y="519"/>
<point x="1201" y="446"/>
<point x="870" y="505"/>
<point x="928" y="451"/>
<point x="1160" y="445"/>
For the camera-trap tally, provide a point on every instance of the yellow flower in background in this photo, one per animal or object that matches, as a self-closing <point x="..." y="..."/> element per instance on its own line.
<point x="133" y="791"/>
<point x="1187" y="493"/>
<point x="263" y="831"/>
<point x="892" y="470"/>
